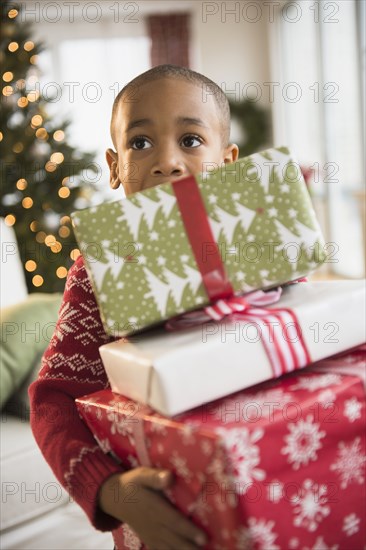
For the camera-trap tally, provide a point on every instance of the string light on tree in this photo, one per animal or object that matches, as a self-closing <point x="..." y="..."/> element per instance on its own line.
<point x="27" y="202"/>
<point x="64" y="232"/>
<point x="13" y="46"/>
<point x="41" y="133"/>
<point x="33" y="96"/>
<point x="7" y="90"/>
<point x="8" y="76"/>
<point x="37" y="280"/>
<point x="56" y="247"/>
<point x="30" y="265"/>
<point x="22" y="102"/>
<point x="12" y="13"/>
<point x="58" y="158"/>
<point x="64" y="192"/>
<point x="61" y="272"/>
<point x="18" y="147"/>
<point x="59" y="135"/>
<point x="28" y="46"/>
<point x="74" y="254"/>
<point x="10" y="219"/>
<point x="36" y="120"/>
<point x="50" y="240"/>
<point x="21" y="184"/>
<point x="50" y="166"/>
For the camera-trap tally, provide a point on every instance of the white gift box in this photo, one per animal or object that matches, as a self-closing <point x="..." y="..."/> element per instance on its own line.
<point x="177" y="371"/>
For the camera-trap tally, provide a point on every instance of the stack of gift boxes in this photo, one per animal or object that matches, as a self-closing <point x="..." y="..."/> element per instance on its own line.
<point x="202" y="282"/>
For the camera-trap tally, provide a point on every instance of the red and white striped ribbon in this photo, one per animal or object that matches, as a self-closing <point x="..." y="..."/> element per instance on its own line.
<point x="286" y="352"/>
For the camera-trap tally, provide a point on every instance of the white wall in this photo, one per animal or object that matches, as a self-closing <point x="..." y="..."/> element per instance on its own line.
<point x="232" y="49"/>
<point x="227" y="47"/>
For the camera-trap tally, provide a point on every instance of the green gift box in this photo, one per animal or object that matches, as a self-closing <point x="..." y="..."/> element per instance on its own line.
<point x="179" y="246"/>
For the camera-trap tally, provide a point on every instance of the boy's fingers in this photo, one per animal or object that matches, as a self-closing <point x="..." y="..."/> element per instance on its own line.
<point x="176" y="523"/>
<point x="175" y="541"/>
<point x="154" y="478"/>
<point x="183" y="526"/>
<point x="171" y="519"/>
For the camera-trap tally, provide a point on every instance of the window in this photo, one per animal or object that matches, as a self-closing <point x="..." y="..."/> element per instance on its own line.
<point x="318" y="113"/>
<point x="85" y="76"/>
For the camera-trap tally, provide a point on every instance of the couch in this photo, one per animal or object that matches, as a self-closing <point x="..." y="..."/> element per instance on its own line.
<point x="36" y="513"/>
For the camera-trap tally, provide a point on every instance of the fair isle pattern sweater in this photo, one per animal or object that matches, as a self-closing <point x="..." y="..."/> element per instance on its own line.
<point x="71" y="367"/>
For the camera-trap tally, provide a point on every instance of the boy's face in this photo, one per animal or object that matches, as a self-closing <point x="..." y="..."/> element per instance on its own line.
<point x="163" y="131"/>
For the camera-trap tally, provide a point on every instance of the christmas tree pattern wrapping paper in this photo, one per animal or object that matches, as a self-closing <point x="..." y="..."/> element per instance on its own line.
<point x="140" y="259"/>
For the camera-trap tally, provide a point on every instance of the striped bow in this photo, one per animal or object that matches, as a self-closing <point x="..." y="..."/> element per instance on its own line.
<point x="279" y="329"/>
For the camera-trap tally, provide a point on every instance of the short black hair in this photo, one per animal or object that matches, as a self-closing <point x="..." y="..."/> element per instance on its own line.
<point x="174" y="71"/>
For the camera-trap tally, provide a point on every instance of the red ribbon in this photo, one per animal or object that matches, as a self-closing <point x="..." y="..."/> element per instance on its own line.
<point x="201" y="239"/>
<point x="284" y="357"/>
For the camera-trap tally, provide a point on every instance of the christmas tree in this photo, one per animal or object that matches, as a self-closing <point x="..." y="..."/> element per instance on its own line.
<point x="42" y="177"/>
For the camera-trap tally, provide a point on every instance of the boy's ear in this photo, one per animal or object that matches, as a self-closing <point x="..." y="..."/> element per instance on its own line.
<point x="112" y="160"/>
<point x="231" y="153"/>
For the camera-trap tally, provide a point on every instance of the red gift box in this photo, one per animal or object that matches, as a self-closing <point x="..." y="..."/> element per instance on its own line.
<point x="279" y="466"/>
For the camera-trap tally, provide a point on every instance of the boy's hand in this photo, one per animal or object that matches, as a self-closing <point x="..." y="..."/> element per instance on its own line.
<point x="135" y="497"/>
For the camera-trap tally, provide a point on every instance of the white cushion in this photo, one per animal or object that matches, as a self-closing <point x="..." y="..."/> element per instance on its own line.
<point x="13" y="288"/>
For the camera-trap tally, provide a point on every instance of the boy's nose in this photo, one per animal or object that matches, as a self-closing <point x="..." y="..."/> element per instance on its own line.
<point x="168" y="164"/>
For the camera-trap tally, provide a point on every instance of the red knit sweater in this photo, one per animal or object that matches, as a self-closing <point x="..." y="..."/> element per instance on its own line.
<point x="71" y="367"/>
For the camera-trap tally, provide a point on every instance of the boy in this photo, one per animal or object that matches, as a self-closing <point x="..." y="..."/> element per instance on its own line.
<point x="167" y="123"/>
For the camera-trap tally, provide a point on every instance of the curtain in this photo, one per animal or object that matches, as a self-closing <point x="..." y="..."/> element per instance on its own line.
<point x="169" y="39"/>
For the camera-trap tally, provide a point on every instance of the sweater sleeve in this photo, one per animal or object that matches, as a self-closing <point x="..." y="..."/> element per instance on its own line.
<point x="71" y="367"/>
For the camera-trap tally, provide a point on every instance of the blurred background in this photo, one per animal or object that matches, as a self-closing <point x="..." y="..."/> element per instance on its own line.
<point x="294" y="73"/>
<point x="291" y="70"/>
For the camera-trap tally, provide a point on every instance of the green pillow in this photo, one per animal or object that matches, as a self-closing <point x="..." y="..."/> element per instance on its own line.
<point x="18" y="403"/>
<point x="26" y="329"/>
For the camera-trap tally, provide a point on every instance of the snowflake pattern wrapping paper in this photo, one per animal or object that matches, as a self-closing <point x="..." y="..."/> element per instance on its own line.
<point x="280" y="466"/>
<point x="140" y="260"/>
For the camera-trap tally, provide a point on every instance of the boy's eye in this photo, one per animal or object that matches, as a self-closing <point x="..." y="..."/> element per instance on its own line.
<point x="140" y="143"/>
<point x="191" y="141"/>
